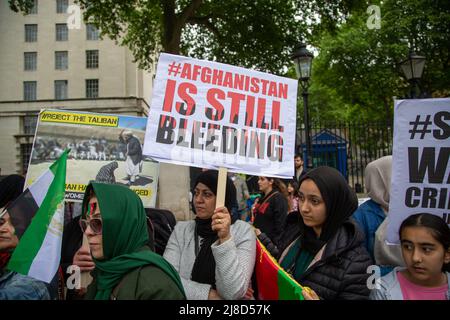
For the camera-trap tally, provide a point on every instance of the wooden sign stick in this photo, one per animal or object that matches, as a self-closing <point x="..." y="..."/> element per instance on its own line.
<point x="221" y="187"/>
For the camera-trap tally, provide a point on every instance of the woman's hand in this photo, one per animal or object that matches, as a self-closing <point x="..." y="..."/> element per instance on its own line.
<point x="83" y="259"/>
<point x="309" y="294"/>
<point x="213" y="295"/>
<point x="221" y="222"/>
<point x="257" y="232"/>
<point x="249" y="294"/>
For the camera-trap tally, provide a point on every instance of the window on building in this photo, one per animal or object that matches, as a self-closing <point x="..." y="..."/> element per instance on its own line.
<point x="34" y="9"/>
<point x="29" y="90"/>
<point x="91" y="32"/>
<point x="30" y="61"/>
<point x="61" y="6"/>
<point x="31" y="32"/>
<point x="61" y="60"/>
<point x="62" y="32"/>
<point x="29" y="124"/>
<point x="61" y="89"/>
<point x="25" y="154"/>
<point x="91" y="59"/>
<point x="92" y="88"/>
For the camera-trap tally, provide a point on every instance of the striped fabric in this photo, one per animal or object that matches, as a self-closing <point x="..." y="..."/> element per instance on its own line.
<point x="39" y="250"/>
<point x="273" y="282"/>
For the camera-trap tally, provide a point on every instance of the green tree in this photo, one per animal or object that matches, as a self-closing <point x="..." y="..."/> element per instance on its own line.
<point x="356" y="72"/>
<point x="258" y="34"/>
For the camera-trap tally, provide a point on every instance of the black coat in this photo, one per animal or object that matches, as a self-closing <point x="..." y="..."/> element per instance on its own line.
<point x="134" y="150"/>
<point x="291" y="231"/>
<point x="341" y="273"/>
<point x="270" y="215"/>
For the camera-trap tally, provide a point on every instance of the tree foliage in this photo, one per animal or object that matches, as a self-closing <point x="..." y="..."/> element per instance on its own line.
<point x="252" y="33"/>
<point x="259" y="34"/>
<point x="356" y="70"/>
<point x="356" y="73"/>
<point x="21" y="5"/>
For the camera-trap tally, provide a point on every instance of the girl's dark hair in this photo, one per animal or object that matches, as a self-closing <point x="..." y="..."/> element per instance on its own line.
<point x="437" y="226"/>
<point x="295" y="186"/>
<point x="279" y="186"/>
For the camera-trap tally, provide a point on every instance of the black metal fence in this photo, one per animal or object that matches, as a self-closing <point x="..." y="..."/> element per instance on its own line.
<point x="347" y="146"/>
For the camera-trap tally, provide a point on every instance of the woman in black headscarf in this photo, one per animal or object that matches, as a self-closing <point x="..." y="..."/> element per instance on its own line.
<point x="215" y="253"/>
<point x="329" y="254"/>
<point x="13" y="285"/>
<point x="10" y="188"/>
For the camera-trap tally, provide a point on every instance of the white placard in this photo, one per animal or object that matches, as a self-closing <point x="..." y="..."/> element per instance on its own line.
<point x="420" y="167"/>
<point x="211" y="115"/>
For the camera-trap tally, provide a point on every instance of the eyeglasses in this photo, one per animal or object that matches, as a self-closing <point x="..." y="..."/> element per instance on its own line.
<point x="95" y="224"/>
<point x="205" y="194"/>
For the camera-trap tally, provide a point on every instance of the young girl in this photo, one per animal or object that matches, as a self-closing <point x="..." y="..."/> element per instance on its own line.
<point x="293" y="197"/>
<point x="425" y="243"/>
<point x="323" y="248"/>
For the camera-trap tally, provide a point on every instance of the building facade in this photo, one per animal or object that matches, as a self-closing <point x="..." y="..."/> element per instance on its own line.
<point x="51" y="59"/>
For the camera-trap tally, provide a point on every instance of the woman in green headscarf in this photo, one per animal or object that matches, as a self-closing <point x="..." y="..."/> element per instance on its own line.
<point x="114" y="221"/>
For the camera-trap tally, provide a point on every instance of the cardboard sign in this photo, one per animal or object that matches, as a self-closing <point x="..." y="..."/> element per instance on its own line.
<point x="420" y="166"/>
<point x="104" y="147"/>
<point x="213" y="115"/>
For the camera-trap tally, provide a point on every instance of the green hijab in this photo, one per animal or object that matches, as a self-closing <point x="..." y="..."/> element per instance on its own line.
<point x="124" y="234"/>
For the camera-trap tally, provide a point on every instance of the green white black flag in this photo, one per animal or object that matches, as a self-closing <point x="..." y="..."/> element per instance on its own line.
<point x="39" y="250"/>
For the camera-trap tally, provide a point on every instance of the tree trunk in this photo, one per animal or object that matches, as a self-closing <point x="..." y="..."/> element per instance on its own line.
<point x="174" y="180"/>
<point x="387" y="111"/>
<point x="172" y="30"/>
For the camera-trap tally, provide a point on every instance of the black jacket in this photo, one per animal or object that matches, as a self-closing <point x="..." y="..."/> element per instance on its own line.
<point x="291" y="231"/>
<point x="270" y="215"/>
<point x="134" y="150"/>
<point x="341" y="273"/>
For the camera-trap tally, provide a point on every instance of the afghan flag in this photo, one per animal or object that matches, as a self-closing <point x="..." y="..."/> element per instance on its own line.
<point x="273" y="282"/>
<point x="39" y="250"/>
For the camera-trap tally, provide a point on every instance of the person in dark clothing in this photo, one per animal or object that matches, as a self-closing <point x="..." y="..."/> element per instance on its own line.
<point x="329" y="255"/>
<point x="291" y="231"/>
<point x="270" y="211"/>
<point x="106" y="173"/>
<point x="134" y="155"/>
<point x="73" y="254"/>
<point x="252" y="184"/>
<point x="299" y="168"/>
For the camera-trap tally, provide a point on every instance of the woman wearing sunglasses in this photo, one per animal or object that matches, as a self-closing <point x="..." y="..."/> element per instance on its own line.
<point x="114" y="221"/>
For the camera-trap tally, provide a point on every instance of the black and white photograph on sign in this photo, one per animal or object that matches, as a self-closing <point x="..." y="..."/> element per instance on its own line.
<point x="101" y="153"/>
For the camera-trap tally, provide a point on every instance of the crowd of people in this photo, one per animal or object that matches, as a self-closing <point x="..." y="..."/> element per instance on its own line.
<point x="94" y="148"/>
<point x="311" y="225"/>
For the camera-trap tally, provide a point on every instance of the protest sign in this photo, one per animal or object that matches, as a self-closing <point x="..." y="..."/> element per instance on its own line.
<point x="104" y="147"/>
<point x="213" y="115"/>
<point x="420" y="166"/>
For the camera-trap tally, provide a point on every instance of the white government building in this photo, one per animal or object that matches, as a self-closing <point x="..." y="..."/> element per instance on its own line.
<point x="46" y="64"/>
